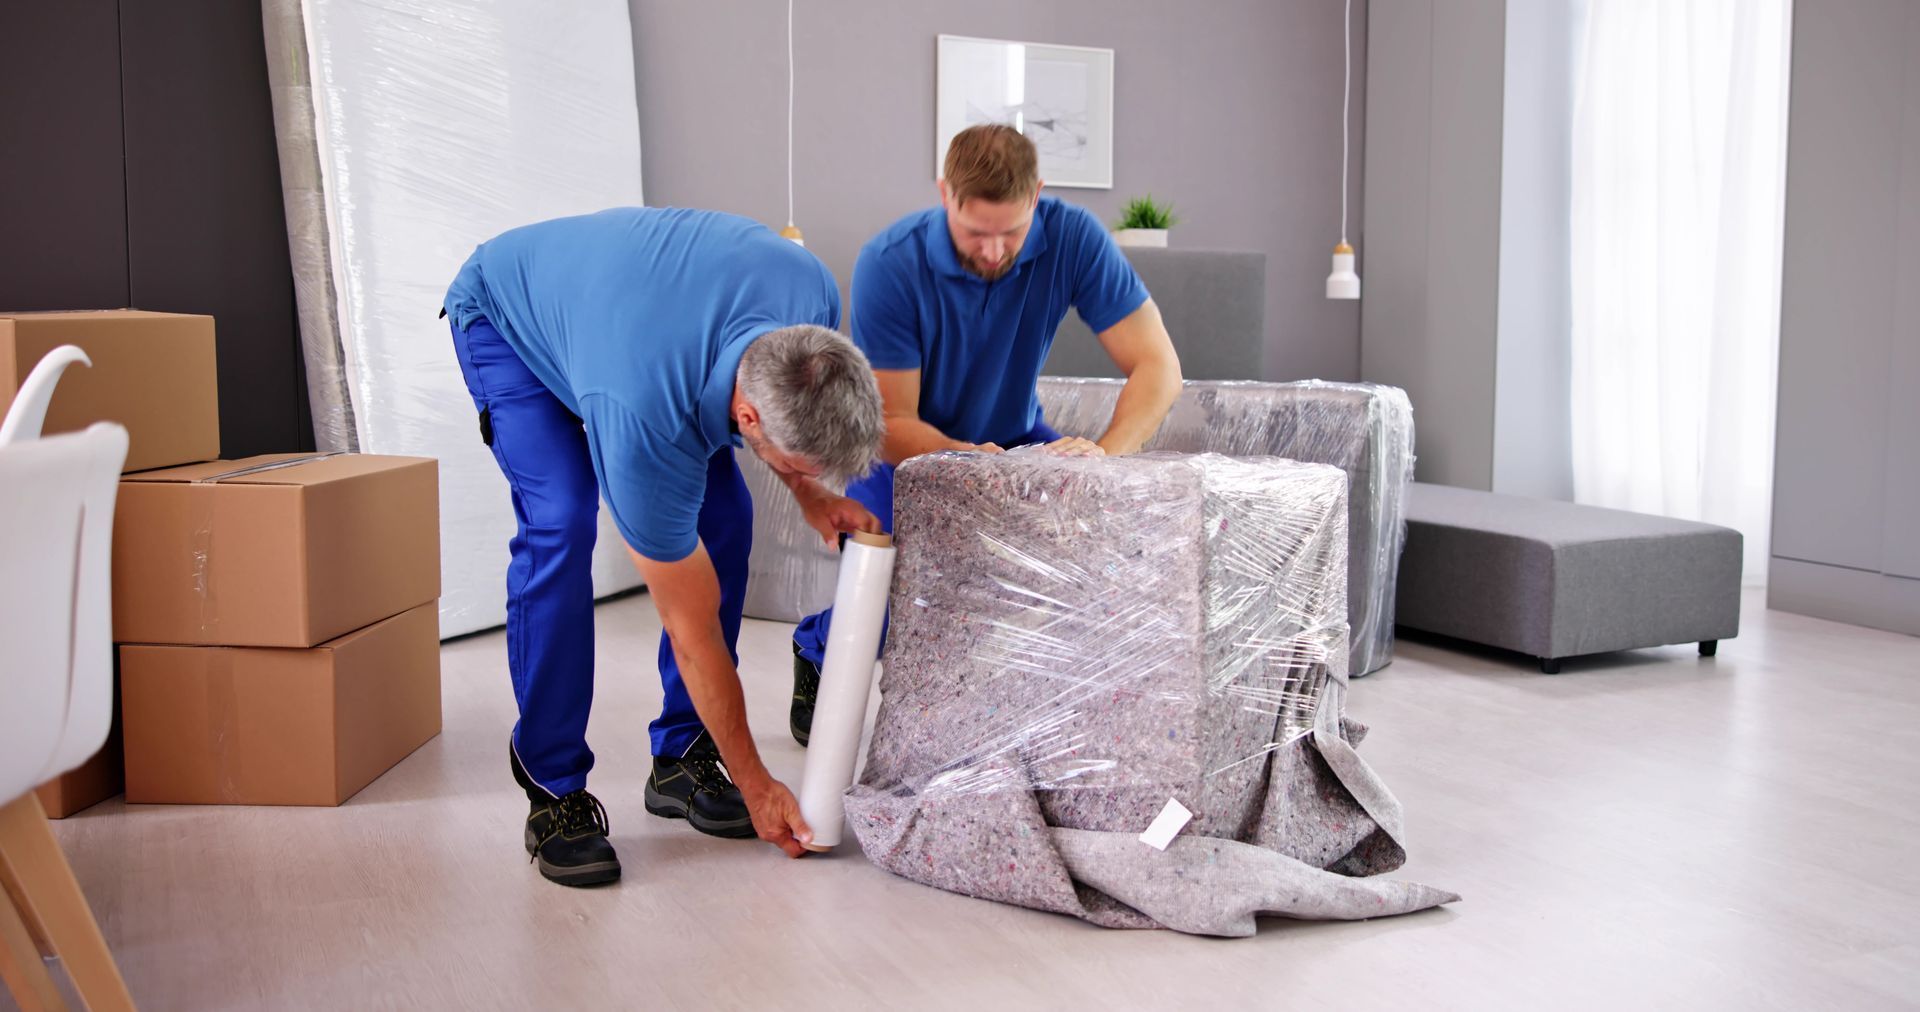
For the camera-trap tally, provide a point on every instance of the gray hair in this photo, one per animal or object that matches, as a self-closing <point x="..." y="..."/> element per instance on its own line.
<point x="817" y="397"/>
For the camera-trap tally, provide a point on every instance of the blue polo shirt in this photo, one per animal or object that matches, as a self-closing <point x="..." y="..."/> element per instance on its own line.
<point x="636" y="318"/>
<point x="979" y="344"/>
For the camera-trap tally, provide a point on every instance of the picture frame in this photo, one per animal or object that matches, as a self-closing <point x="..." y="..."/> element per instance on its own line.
<point x="1060" y="97"/>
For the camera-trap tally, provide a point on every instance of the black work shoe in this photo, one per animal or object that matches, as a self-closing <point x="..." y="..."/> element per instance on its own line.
<point x="806" y="688"/>
<point x="696" y="788"/>
<point x="567" y="836"/>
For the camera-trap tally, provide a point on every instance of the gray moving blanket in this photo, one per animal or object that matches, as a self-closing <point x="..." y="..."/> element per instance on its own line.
<point x="1074" y="642"/>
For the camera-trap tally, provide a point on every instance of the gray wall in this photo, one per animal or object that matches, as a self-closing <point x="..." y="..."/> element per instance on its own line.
<point x="1467" y="301"/>
<point x="1231" y="109"/>
<point x="1431" y="248"/>
<point x="1532" y="426"/>
<point x="1846" y="530"/>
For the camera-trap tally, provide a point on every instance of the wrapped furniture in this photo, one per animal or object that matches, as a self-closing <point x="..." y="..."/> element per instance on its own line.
<point x="790" y="573"/>
<point x="1364" y="429"/>
<point x="1077" y="642"/>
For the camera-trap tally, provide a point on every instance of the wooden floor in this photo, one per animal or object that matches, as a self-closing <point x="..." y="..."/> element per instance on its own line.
<point x="1652" y="829"/>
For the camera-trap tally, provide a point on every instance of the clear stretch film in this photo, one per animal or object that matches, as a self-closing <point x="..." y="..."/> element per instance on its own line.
<point x="410" y="131"/>
<point x="846" y="681"/>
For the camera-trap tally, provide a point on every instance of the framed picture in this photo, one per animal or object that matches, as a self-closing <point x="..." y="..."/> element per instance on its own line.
<point x="1061" y="97"/>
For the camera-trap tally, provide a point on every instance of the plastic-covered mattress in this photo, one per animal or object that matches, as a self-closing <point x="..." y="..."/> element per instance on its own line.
<point x="410" y="132"/>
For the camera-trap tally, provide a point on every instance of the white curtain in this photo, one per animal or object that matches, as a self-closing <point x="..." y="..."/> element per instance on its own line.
<point x="1679" y="156"/>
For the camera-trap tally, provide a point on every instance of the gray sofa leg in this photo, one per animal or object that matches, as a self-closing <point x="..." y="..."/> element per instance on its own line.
<point x="1549" y="665"/>
<point x="1709" y="647"/>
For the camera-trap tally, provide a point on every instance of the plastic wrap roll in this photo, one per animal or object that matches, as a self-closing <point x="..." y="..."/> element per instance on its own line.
<point x="846" y="681"/>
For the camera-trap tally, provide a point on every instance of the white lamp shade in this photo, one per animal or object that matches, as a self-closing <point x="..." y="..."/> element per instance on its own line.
<point x="1343" y="283"/>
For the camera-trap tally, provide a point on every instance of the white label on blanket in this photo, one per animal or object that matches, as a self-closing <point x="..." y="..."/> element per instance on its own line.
<point x="1167" y="825"/>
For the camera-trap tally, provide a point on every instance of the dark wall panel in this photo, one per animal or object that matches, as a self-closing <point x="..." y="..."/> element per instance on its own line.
<point x="63" y="209"/>
<point x="206" y="229"/>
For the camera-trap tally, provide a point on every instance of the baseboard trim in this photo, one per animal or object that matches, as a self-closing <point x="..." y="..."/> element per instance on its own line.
<point x="1844" y="595"/>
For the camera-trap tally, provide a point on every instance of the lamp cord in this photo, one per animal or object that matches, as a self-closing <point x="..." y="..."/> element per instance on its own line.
<point x="790" y="115"/>
<point x="1346" y="100"/>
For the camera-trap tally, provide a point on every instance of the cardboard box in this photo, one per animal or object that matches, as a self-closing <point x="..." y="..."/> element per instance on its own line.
<point x="152" y="372"/>
<point x="261" y="726"/>
<point x="283" y="550"/>
<point x="94" y="781"/>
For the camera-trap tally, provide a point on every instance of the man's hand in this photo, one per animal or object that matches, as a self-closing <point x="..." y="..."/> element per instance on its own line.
<point x="687" y="593"/>
<point x="978" y="447"/>
<point x="832" y="515"/>
<point x="776" y="815"/>
<point x="1074" y="446"/>
<point x="829" y="513"/>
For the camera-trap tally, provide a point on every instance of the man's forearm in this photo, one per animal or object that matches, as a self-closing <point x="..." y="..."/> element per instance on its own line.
<point x="1142" y="406"/>
<point x="707" y="670"/>
<point x="911" y="437"/>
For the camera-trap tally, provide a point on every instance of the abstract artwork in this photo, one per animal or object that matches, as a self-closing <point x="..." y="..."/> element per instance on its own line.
<point x="1060" y="97"/>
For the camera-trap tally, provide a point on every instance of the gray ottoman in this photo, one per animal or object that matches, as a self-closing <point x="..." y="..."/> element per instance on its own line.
<point x="1555" y="580"/>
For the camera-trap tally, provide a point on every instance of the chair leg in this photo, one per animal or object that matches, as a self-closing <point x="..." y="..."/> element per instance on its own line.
<point x="1549" y="665"/>
<point x="20" y="965"/>
<point x="36" y="872"/>
<point x="1709" y="647"/>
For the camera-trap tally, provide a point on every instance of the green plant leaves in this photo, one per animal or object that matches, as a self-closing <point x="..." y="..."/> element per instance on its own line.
<point x="1145" y="212"/>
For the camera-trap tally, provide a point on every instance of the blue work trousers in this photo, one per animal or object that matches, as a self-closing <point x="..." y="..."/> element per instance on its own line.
<point x="541" y="447"/>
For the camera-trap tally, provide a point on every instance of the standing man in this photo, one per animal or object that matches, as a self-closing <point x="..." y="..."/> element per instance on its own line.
<point x="624" y="355"/>
<point x="956" y="307"/>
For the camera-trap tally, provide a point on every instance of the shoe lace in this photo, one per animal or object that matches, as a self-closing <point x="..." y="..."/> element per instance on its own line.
<point x="707" y="773"/>
<point x="807" y="686"/>
<point x="576" y="813"/>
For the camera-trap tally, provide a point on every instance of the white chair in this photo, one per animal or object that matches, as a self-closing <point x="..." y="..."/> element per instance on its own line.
<point x="56" y="680"/>
<point x="88" y="714"/>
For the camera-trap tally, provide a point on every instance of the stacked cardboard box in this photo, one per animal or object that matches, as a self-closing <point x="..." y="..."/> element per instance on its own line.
<point x="277" y="619"/>
<point x="151" y="372"/>
<point x="154" y="374"/>
<point x="280" y="637"/>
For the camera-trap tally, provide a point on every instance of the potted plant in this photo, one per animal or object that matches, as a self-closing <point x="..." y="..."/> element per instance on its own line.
<point x="1144" y="223"/>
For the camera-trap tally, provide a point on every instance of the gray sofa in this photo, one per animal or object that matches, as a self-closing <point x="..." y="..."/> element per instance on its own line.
<point x="1213" y="301"/>
<point x="1555" y="580"/>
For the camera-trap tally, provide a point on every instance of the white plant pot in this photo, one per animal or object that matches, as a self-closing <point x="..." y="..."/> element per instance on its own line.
<point x="1141" y="237"/>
